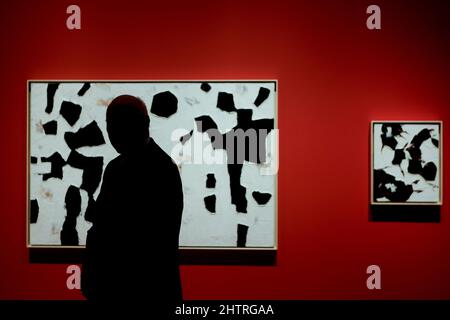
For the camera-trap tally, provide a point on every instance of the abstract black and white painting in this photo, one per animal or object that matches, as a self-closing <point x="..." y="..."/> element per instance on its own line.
<point x="226" y="204"/>
<point x="406" y="162"/>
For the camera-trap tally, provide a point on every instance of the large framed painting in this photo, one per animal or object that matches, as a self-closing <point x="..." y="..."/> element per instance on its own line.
<point x="227" y="204"/>
<point x="406" y="163"/>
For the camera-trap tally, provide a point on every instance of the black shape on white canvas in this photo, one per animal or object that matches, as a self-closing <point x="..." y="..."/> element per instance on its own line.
<point x="399" y="156"/>
<point x="84" y="88"/>
<point x="205" y="123"/>
<point x="210" y="203"/>
<point x="34" y="160"/>
<point x="34" y="211"/>
<point x="225" y="102"/>
<point x="88" y="136"/>
<point x="387" y="186"/>
<point x="56" y="166"/>
<point x="263" y="94"/>
<point x="390" y="131"/>
<point x="416" y="164"/>
<point x="210" y="181"/>
<point x="261" y="198"/>
<point x="241" y="149"/>
<point x="242" y="231"/>
<point x="435" y="142"/>
<point x="238" y="191"/>
<point x="89" y="214"/>
<point x="92" y="170"/>
<point x="208" y="125"/>
<point x="51" y="90"/>
<point x="186" y="137"/>
<point x="205" y="87"/>
<point x="70" y="111"/>
<point x="252" y="151"/>
<point x="164" y="104"/>
<point x="429" y="171"/>
<point x="50" y="127"/>
<point x="69" y="233"/>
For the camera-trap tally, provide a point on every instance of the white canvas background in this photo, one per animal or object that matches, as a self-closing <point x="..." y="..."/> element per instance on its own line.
<point x="199" y="226"/>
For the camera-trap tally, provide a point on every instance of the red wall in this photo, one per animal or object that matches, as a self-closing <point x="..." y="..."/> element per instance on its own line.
<point x="335" y="76"/>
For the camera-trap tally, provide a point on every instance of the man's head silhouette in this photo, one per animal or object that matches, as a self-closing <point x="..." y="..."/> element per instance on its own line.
<point x="127" y="123"/>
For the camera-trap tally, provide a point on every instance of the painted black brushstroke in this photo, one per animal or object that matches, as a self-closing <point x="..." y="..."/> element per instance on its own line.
<point x="205" y="123"/>
<point x="415" y="166"/>
<point x="84" y="88"/>
<point x="242" y="231"/>
<point x="34" y="211"/>
<point x="429" y="171"/>
<point x="421" y="137"/>
<point x="236" y="189"/>
<point x="210" y="203"/>
<point x="205" y="87"/>
<point x="242" y="149"/>
<point x="435" y="142"/>
<point x="384" y="184"/>
<point x="261" y="127"/>
<point x="415" y="161"/>
<point x="416" y="143"/>
<point x="186" y="137"/>
<point x="261" y="198"/>
<point x="51" y="90"/>
<point x="92" y="175"/>
<point x="164" y="104"/>
<point x="396" y="129"/>
<point x="34" y="160"/>
<point x="225" y="102"/>
<point x="208" y="125"/>
<point x="50" y="127"/>
<point x="414" y="149"/>
<point x="389" y="141"/>
<point x="399" y="156"/>
<point x="210" y="181"/>
<point x="89" y="214"/>
<point x="92" y="170"/>
<point x="57" y="164"/>
<point x="415" y="152"/>
<point x="69" y="234"/>
<point x="388" y="137"/>
<point x="88" y="136"/>
<point x="70" y="111"/>
<point x="263" y="94"/>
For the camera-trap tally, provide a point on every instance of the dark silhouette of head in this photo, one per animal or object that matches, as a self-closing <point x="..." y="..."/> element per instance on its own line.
<point x="127" y="123"/>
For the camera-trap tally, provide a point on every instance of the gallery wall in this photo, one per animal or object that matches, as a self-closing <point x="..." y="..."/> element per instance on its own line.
<point x="334" y="75"/>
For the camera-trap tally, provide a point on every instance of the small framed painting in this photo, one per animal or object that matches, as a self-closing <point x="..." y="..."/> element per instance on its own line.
<point x="406" y="163"/>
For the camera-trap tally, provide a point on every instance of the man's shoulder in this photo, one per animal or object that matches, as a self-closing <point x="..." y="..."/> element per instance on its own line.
<point x="157" y="152"/>
<point x="114" y="164"/>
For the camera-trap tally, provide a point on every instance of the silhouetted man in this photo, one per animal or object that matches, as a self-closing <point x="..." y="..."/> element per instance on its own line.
<point x="132" y="247"/>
